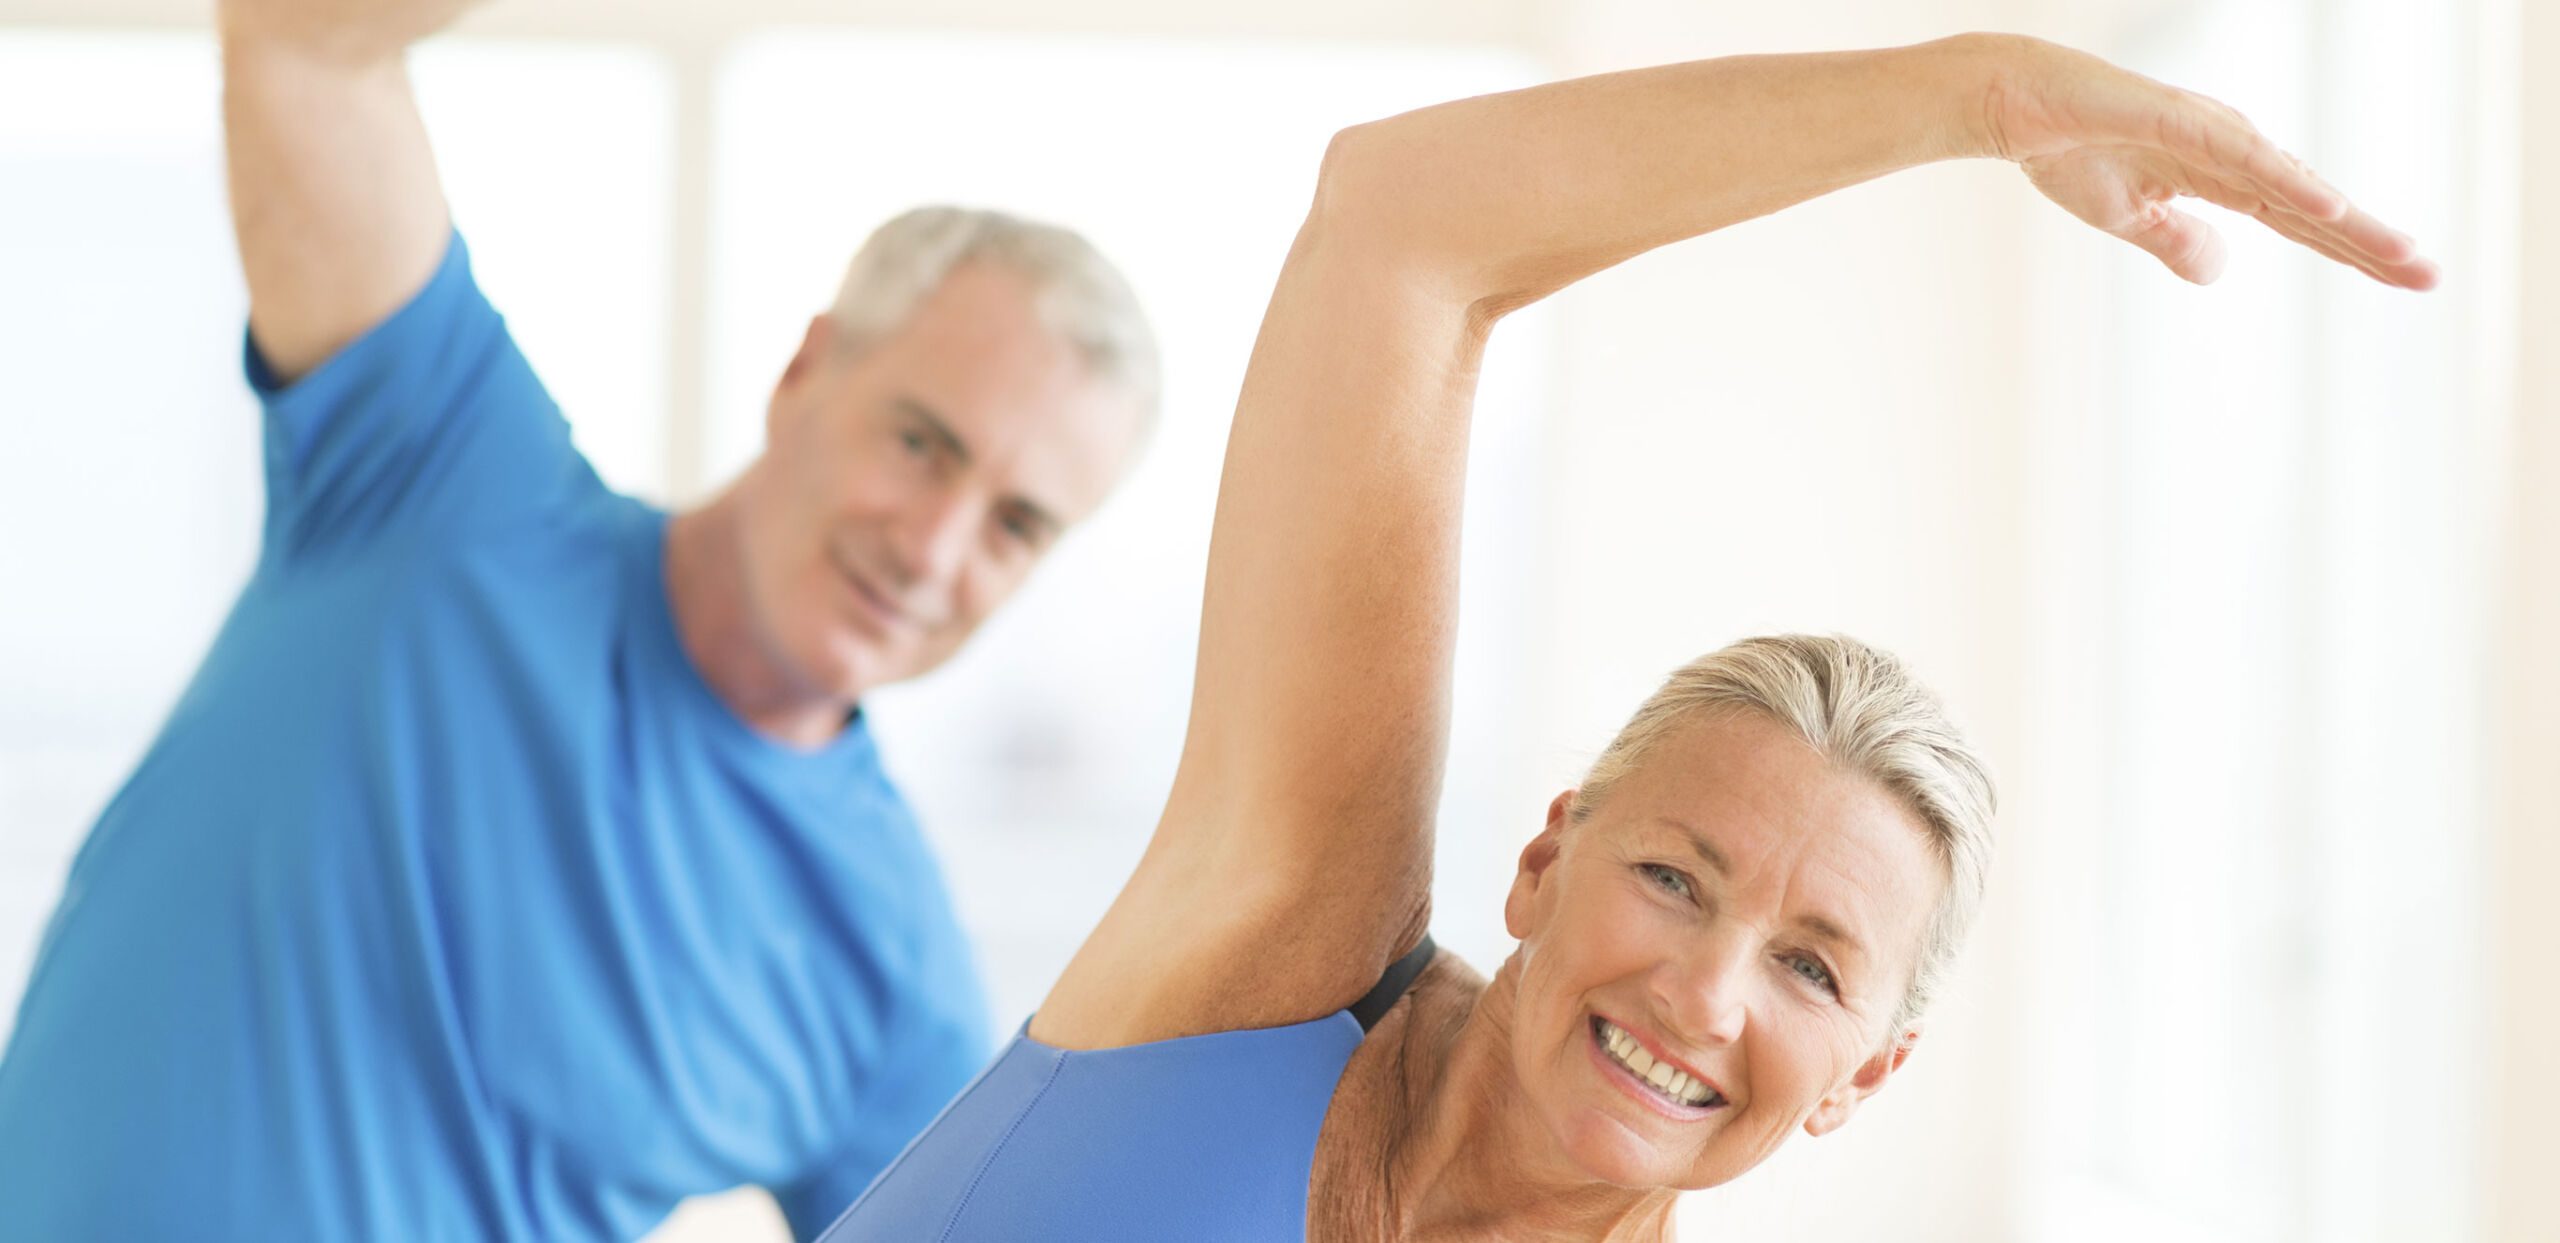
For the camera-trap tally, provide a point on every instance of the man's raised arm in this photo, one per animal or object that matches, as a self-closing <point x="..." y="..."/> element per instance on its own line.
<point x="334" y="195"/>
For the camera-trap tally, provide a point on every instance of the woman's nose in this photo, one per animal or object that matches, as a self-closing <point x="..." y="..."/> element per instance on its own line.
<point x="1708" y="991"/>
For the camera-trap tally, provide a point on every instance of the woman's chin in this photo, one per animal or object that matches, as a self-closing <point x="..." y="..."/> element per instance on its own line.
<point x="1610" y="1150"/>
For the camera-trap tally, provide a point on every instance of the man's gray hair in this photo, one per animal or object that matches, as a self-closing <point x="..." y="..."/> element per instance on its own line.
<point x="1862" y="710"/>
<point x="1079" y="295"/>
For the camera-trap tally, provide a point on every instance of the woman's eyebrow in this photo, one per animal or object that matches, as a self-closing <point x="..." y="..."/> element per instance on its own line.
<point x="1823" y="927"/>
<point x="1698" y="842"/>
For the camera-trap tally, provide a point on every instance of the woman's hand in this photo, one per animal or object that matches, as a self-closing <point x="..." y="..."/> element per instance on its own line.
<point x="2115" y="149"/>
<point x="346" y="33"/>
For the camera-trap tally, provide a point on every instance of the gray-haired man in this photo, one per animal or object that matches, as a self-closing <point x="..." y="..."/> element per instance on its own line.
<point x="518" y="862"/>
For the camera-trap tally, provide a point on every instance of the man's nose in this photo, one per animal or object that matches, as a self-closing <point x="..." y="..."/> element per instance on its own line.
<point x="932" y="539"/>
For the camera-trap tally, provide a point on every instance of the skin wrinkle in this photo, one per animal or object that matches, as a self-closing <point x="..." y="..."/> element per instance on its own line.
<point x="1822" y="926"/>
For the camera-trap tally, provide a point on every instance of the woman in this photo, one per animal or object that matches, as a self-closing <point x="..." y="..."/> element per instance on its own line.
<point x="1729" y="930"/>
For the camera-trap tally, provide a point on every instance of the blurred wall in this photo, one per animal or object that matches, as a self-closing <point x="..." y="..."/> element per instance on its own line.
<point x="2523" y="920"/>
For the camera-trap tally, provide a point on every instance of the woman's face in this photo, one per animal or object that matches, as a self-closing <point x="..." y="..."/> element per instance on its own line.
<point x="1738" y="909"/>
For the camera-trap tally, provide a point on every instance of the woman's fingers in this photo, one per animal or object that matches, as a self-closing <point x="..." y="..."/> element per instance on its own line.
<point x="2409" y="272"/>
<point x="2125" y="145"/>
<point x="2215" y="135"/>
<point x="2186" y="245"/>
<point x="2321" y="244"/>
<point x="2355" y="238"/>
<point x="2304" y="189"/>
<point x="2284" y="179"/>
<point x="2362" y="231"/>
<point x="2405" y="272"/>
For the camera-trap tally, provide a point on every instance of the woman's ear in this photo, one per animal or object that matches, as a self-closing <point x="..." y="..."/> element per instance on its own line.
<point x="1834" y="1110"/>
<point x="1519" y="910"/>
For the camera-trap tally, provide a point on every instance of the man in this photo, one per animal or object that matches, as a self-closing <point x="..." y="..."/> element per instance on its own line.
<point x="518" y="862"/>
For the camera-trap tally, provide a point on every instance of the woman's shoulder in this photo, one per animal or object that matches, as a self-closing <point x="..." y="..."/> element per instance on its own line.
<point x="1381" y="1089"/>
<point x="1438" y="1003"/>
<point x="1414" y="1035"/>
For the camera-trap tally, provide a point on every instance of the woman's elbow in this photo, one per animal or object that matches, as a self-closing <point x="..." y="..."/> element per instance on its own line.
<point x="1354" y="201"/>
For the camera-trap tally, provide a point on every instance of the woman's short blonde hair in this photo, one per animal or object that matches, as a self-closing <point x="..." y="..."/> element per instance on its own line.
<point x="1860" y="708"/>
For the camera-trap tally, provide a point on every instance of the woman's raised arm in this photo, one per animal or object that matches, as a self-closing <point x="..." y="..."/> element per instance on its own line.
<point x="1293" y="859"/>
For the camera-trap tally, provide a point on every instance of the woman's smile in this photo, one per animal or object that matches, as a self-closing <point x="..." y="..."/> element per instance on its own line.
<point x="1660" y="1085"/>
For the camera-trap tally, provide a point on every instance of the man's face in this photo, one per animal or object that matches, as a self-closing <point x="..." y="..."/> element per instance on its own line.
<point x="907" y="490"/>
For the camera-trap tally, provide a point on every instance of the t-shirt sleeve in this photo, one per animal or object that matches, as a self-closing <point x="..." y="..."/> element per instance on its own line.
<point x="938" y="1061"/>
<point x="432" y="422"/>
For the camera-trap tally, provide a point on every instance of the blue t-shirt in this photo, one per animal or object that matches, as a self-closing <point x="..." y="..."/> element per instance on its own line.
<point x="450" y="902"/>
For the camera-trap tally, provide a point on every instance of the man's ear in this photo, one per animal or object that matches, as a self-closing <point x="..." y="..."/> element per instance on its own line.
<point x="1519" y="909"/>
<point x="1833" y="1111"/>
<point x="816" y="345"/>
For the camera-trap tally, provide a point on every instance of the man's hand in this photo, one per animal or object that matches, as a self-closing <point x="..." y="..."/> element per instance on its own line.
<point x="334" y="196"/>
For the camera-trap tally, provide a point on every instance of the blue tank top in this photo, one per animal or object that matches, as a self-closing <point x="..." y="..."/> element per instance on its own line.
<point x="1205" y="1138"/>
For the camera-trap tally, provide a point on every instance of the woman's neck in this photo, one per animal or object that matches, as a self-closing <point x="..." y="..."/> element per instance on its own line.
<point x="1466" y="1160"/>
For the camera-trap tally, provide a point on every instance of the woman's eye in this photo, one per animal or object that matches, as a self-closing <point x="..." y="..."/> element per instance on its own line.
<point x="1020" y="528"/>
<point x="913" y="442"/>
<point x="1811" y="971"/>
<point x="1669" y="880"/>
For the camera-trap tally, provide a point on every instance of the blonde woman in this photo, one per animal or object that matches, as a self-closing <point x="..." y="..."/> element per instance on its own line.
<point x="1727" y="933"/>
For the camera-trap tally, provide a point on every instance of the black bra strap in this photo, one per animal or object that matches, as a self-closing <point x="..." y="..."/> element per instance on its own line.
<point x="1391" y="986"/>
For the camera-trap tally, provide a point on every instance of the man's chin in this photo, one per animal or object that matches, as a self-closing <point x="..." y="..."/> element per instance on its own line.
<point x="849" y="667"/>
<point x="852" y="664"/>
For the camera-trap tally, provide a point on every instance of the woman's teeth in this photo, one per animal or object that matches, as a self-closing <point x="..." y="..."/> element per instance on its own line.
<point x="1662" y="1076"/>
